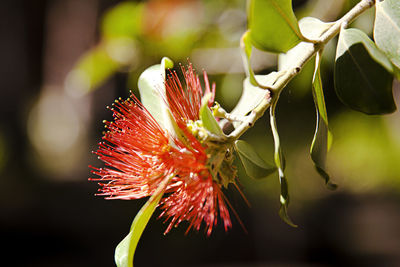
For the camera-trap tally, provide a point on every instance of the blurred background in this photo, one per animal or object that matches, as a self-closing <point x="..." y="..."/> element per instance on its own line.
<point x="64" y="61"/>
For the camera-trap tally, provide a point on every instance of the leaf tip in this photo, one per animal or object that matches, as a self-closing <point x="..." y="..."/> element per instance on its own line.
<point x="285" y="216"/>
<point x="167" y="62"/>
<point x="331" y="186"/>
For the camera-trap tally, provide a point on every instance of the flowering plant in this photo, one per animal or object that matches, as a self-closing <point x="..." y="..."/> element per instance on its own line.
<point x="174" y="151"/>
<point x="177" y="145"/>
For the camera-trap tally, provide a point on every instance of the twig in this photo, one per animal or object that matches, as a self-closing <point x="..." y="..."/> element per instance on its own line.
<point x="289" y="74"/>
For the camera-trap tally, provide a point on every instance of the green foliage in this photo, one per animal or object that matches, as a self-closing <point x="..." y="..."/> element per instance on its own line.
<point x="208" y="118"/>
<point x="322" y="137"/>
<point x="387" y="29"/>
<point x="126" y="248"/>
<point x="280" y="164"/>
<point x="253" y="164"/>
<point x="273" y="25"/>
<point x="363" y="78"/>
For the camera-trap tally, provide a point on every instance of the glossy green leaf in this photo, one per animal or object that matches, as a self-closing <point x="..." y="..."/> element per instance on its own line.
<point x="254" y="165"/>
<point x="322" y="137"/>
<point x="253" y="95"/>
<point x="125" y="250"/>
<point x="280" y="164"/>
<point x="208" y="118"/>
<point x="153" y="93"/>
<point x="123" y="20"/>
<point x="363" y="78"/>
<point x="273" y="25"/>
<point x="387" y="29"/>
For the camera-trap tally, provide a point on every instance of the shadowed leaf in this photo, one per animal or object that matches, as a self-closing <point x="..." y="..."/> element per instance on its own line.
<point x="280" y="163"/>
<point x="322" y="137"/>
<point x="254" y="165"/>
<point x="363" y="78"/>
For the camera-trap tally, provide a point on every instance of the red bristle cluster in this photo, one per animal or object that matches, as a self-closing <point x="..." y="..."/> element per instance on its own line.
<point x="185" y="104"/>
<point x="138" y="155"/>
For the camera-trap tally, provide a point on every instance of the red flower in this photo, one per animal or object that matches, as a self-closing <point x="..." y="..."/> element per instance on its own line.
<point x="139" y="154"/>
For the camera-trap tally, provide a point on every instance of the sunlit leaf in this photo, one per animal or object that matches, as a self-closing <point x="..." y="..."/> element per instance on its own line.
<point x="321" y="141"/>
<point x="280" y="164"/>
<point x="387" y="29"/>
<point x="253" y="164"/>
<point x="208" y="118"/>
<point x="125" y="250"/>
<point x="152" y="90"/>
<point x="363" y="78"/>
<point x="273" y="25"/>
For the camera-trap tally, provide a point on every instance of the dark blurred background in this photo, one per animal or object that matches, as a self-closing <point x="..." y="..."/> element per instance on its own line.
<point x="64" y="61"/>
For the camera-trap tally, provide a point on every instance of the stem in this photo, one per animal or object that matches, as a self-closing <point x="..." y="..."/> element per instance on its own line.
<point x="288" y="75"/>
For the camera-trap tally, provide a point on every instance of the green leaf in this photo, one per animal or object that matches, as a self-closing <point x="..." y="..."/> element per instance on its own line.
<point x="208" y="118"/>
<point x="273" y="25"/>
<point x="322" y="137"/>
<point x="311" y="28"/>
<point x="280" y="163"/>
<point x="363" y="78"/>
<point x="153" y="93"/>
<point x="253" y="95"/>
<point x="387" y="29"/>
<point x="123" y="20"/>
<point x="254" y="165"/>
<point x="126" y="248"/>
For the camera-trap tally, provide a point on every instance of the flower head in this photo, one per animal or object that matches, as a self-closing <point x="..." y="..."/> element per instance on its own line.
<point x="138" y="155"/>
